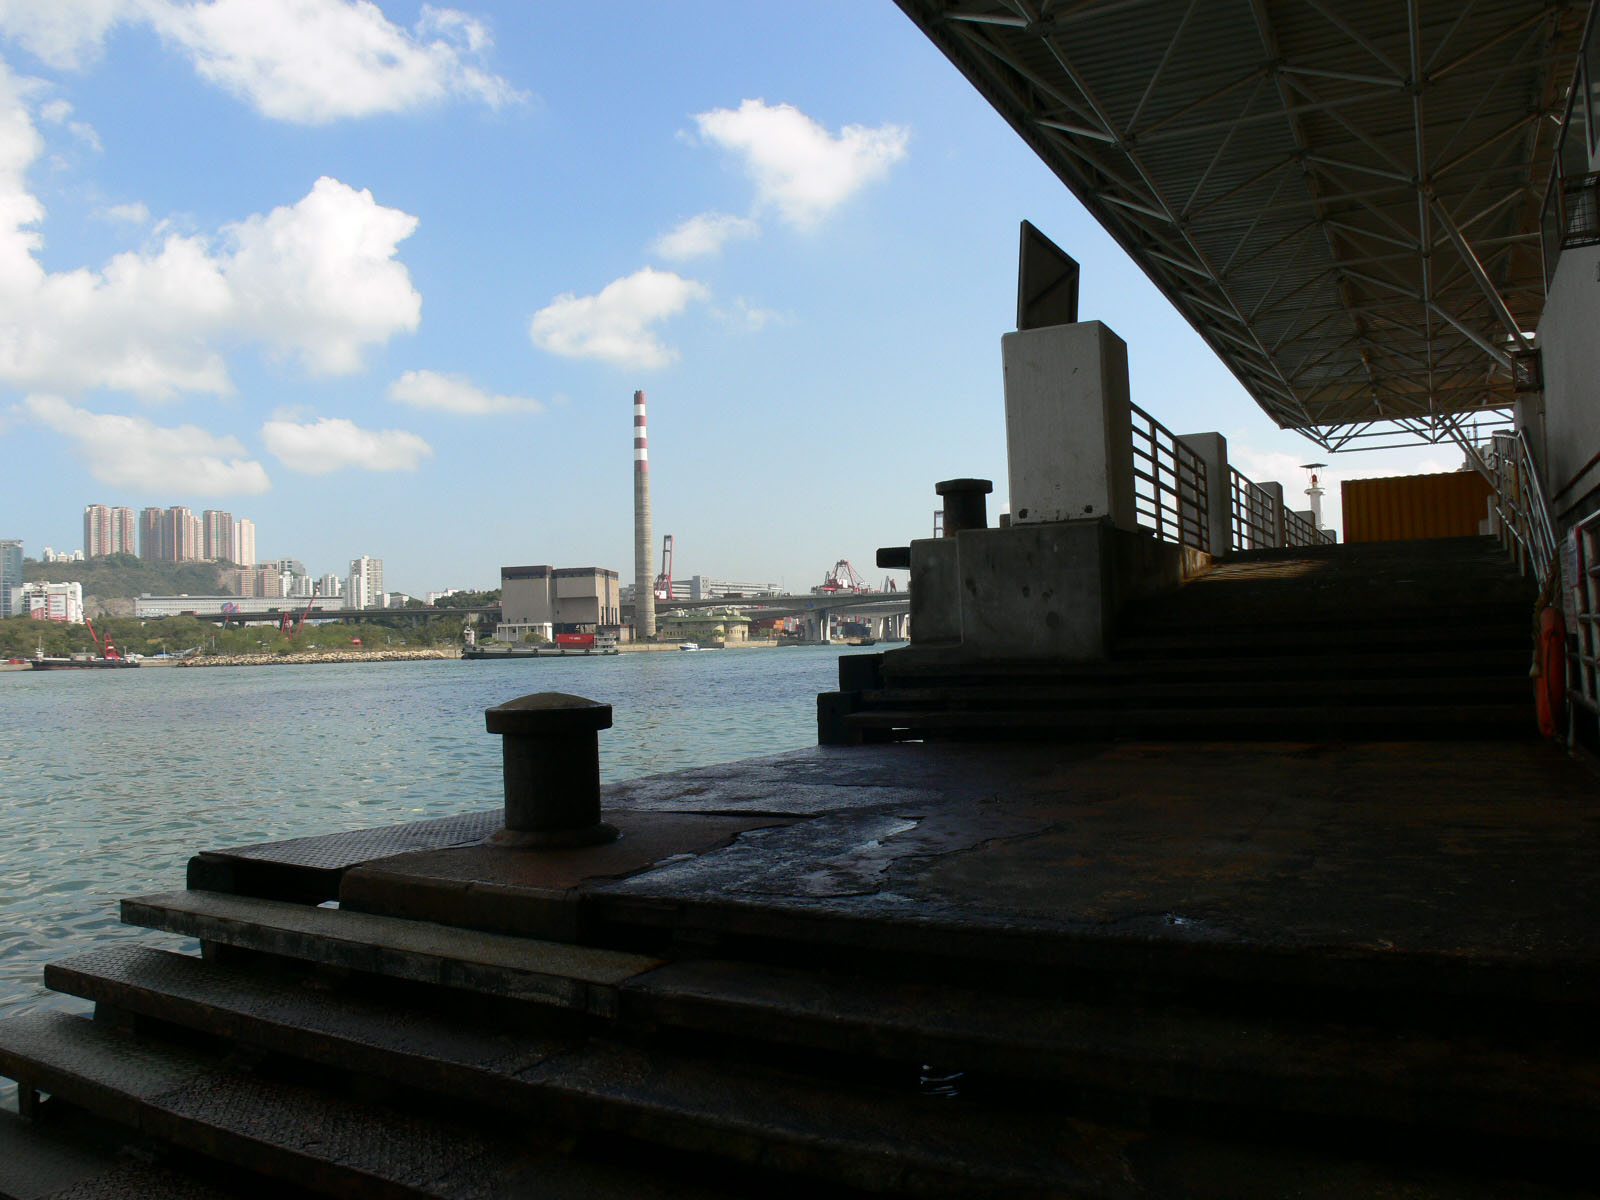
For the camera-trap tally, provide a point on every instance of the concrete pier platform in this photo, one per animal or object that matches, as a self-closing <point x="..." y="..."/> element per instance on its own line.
<point x="1471" y="858"/>
<point x="1093" y="969"/>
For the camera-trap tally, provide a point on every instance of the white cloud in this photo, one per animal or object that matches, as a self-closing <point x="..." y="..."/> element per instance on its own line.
<point x="305" y="61"/>
<point x="320" y="278"/>
<point x="456" y="394"/>
<point x="797" y="166"/>
<point x="614" y="326"/>
<point x="134" y="452"/>
<point x="748" y="317"/>
<point x="128" y="214"/>
<point x="64" y="33"/>
<point x="334" y="443"/>
<point x="317" y="279"/>
<point x="314" y="61"/>
<point x="59" y="112"/>
<point x="703" y="234"/>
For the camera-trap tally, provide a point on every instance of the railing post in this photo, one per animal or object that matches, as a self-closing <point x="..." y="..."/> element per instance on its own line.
<point x="1276" y="535"/>
<point x="1212" y="449"/>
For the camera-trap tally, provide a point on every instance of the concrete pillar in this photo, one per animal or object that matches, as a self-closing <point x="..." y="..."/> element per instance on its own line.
<point x="644" y="576"/>
<point x="1212" y="449"/>
<point x="822" y="626"/>
<point x="1276" y="534"/>
<point x="1069" y="444"/>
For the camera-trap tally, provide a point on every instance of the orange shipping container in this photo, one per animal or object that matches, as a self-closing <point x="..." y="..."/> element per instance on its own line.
<point x="1414" y="506"/>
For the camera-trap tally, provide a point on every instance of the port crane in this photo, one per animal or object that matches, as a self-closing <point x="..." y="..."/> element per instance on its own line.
<point x="843" y="578"/>
<point x="107" y="650"/>
<point x="283" y="622"/>
<point x="663" y="583"/>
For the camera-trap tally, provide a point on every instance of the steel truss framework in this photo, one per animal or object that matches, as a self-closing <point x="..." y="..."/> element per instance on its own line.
<point x="1342" y="196"/>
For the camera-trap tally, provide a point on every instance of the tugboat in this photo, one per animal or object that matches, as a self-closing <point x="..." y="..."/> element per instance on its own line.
<point x="109" y="656"/>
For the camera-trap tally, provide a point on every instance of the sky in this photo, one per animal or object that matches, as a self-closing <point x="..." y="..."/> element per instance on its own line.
<point x="383" y="278"/>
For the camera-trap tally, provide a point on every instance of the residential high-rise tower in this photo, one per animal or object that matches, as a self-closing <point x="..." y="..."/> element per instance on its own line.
<point x="10" y="572"/>
<point x="366" y="583"/>
<point x="108" y="530"/>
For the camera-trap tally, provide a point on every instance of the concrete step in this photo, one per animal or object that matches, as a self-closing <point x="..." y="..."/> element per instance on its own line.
<point x="1275" y="1063"/>
<point x="1229" y="610"/>
<point x="868" y="1138"/>
<point x="1133" y="692"/>
<point x="1164" y="1052"/>
<point x="1271" y="722"/>
<point x="555" y="974"/>
<point x="856" y="1136"/>
<point x="301" y="1135"/>
<point x="1506" y="661"/>
<point x="66" y="1154"/>
<point x="1314" y="642"/>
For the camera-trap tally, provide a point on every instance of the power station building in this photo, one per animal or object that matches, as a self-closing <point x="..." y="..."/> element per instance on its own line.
<point x="546" y="600"/>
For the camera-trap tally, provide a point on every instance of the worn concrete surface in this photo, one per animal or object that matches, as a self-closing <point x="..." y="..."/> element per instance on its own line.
<point x="1479" y="859"/>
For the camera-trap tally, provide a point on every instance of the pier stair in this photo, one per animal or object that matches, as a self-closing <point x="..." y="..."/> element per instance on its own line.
<point x="759" y="1017"/>
<point x="1385" y="640"/>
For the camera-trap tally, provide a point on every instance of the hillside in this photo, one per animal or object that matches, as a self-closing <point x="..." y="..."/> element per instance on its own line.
<point x="123" y="577"/>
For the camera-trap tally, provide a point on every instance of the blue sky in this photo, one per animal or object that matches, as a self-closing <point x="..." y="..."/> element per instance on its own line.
<point x="383" y="279"/>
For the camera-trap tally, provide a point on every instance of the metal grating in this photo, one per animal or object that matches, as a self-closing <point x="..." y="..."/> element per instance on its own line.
<point x="1343" y="199"/>
<point x="1581" y="209"/>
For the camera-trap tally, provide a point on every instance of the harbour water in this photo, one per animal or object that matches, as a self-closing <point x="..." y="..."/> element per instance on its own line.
<point x="110" y="780"/>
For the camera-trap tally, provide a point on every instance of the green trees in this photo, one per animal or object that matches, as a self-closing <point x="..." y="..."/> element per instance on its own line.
<point x="21" y="636"/>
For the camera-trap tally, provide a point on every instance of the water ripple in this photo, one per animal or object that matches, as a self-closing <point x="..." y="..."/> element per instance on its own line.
<point x="112" y="780"/>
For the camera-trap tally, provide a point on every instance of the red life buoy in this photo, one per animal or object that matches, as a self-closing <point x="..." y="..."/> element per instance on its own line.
<point x="1550" y="687"/>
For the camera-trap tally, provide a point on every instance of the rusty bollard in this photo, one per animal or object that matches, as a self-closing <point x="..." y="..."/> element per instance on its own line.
<point x="964" y="504"/>
<point x="551" y="749"/>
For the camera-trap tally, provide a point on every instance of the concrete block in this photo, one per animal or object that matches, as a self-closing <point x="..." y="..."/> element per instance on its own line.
<point x="1068" y="439"/>
<point x="1046" y="591"/>
<point x="935" y="592"/>
<point x="1036" y="591"/>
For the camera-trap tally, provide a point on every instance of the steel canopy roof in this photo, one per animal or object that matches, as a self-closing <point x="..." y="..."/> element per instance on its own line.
<point x="1342" y="196"/>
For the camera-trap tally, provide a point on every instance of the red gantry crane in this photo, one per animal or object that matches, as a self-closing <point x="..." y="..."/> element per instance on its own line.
<point x="663" y="584"/>
<point x="283" y="622"/>
<point x="107" y="650"/>
<point x="843" y="578"/>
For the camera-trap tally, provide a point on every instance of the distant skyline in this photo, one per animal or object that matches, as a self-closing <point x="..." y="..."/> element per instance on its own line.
<point x="387" y="275"/>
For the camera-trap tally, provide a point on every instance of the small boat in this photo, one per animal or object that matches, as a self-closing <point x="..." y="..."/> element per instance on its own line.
<point x="688" y="645"/>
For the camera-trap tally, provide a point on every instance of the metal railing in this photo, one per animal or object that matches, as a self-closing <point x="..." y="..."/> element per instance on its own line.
<point x="1297" y="531"/>
<point x="1523" y="514"/>
<point x="1170" y="487"/>
<point x="1253" y="523"/>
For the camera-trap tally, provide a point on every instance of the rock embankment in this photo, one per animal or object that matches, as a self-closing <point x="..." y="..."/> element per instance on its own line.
<point x="319" y="656"/>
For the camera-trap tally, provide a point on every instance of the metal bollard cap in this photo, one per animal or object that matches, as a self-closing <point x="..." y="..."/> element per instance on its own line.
<point x="548" y="714"/>
<point x="959" y="486"/>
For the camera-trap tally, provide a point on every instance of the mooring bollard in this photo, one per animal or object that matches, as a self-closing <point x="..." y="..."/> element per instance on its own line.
<point x="551" y="749"/>
<point x="964" y="504"/>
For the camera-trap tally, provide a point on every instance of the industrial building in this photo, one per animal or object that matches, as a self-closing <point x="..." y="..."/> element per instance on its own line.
<point x="546" y="600"/>
<point x="209" y="606"/>
<point x="49" y="602"/>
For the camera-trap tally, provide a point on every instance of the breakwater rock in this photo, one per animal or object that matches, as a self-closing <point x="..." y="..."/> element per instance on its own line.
<point x="318" y="656"/>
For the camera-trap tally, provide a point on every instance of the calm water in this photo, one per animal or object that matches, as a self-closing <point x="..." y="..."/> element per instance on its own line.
<point x="110" y="780"/>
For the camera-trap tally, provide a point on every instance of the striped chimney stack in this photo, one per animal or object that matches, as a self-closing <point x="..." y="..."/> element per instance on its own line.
<point x="644" y="580"/>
